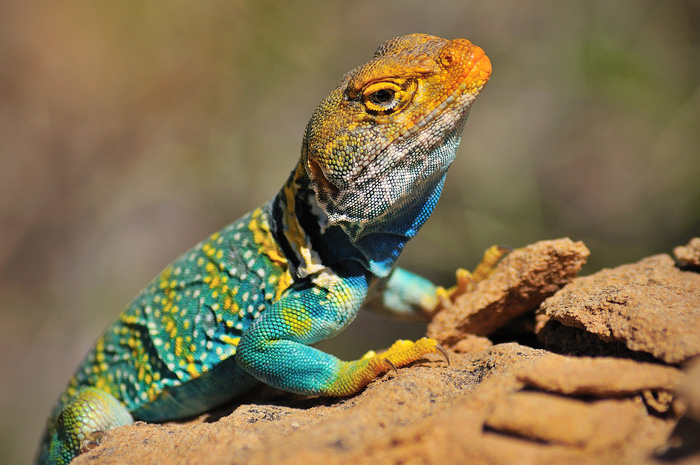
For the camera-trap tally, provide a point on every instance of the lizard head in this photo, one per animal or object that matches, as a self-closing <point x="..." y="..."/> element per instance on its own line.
<point x="378" y="147"/>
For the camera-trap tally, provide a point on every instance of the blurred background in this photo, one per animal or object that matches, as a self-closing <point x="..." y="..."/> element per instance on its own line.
<point x="130" y="130"/>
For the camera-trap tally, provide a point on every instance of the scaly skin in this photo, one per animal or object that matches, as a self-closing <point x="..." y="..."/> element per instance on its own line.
<point x="244" y="305"/>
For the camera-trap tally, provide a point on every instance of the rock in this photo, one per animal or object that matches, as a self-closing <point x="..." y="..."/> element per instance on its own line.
<point x="689" y="255"/>
<point x="543" y="417"/>
<point x="599" y="377"/>
<point x="650" y="306"/>
<point x="574" y="341"/>
<point x="689" y="389"/>
<point x="685" y="439"/>
<point x="522" y="280"/>
<point x="471" y="344"/>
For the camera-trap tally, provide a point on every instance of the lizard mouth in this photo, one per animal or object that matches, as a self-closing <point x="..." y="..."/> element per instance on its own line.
<point x="319" y="176"/>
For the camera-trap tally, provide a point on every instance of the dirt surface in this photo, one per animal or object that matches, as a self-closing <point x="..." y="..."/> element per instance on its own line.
<point x="631" y="395"/>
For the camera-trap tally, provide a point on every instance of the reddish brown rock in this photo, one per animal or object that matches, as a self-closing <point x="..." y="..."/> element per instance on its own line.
<point x="689" y="389"/>
<point x="519" y="284"/>
<point x="650" y="306"/>
<point x="575" y="341"/>
<point x="471" y="344"/>
<point x="548" y="418"/>
<point x="690" y="253"/>
<point x="600" y="376"/>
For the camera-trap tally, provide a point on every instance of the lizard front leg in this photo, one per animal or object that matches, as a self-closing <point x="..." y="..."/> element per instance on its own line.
<point x="275" y="348"/>
<point x="403" y="296"/>
<point x="409" y="297"/>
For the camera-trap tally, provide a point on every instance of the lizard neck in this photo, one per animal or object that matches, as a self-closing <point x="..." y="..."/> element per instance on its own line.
<point x="312" y="243"/>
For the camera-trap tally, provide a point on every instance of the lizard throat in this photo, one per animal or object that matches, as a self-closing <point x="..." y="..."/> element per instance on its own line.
<point x="311" y="244"/>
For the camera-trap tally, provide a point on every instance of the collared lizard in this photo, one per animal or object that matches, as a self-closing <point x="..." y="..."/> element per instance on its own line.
<point x="243" y="306"/>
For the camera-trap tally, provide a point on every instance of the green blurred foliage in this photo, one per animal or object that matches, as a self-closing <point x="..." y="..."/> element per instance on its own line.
<point x="130" y="130"/>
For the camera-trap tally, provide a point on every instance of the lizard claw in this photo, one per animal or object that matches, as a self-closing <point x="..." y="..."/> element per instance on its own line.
<point x="444" y="353"/>
<point x="388" y="362"/>
<point x="437" y="346"/>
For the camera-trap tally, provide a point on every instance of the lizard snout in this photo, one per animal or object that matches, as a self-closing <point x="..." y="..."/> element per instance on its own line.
<point x="460" y="56"/>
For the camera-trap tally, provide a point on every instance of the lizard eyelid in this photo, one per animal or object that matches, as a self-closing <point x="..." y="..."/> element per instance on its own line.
<point x="383" y="97"/>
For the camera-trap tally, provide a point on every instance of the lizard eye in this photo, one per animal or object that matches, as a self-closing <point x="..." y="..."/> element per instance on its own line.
<point x="384" y="97"/>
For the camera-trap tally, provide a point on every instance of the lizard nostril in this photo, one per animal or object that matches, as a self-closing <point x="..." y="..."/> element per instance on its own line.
<point x="456" y="51"/>
<point x="460" y="50"/>
<point x="451" y="56"/>
<point x="461" y="56"/>
<point x="447" y="59"/>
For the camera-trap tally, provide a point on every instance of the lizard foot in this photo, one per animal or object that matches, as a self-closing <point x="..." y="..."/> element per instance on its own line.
<point x="468" y="280"/>
<point x="488" y="263"/>
<point x="403" y="352"/>
<point x="355" y="375"/>
<point x="92" y="440"/>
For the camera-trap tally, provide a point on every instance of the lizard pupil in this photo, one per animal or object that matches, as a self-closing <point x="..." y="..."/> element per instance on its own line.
<point x="382" y="97"/>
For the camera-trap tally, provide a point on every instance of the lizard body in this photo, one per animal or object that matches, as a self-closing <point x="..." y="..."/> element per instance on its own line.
<point x="244" y="305"/>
